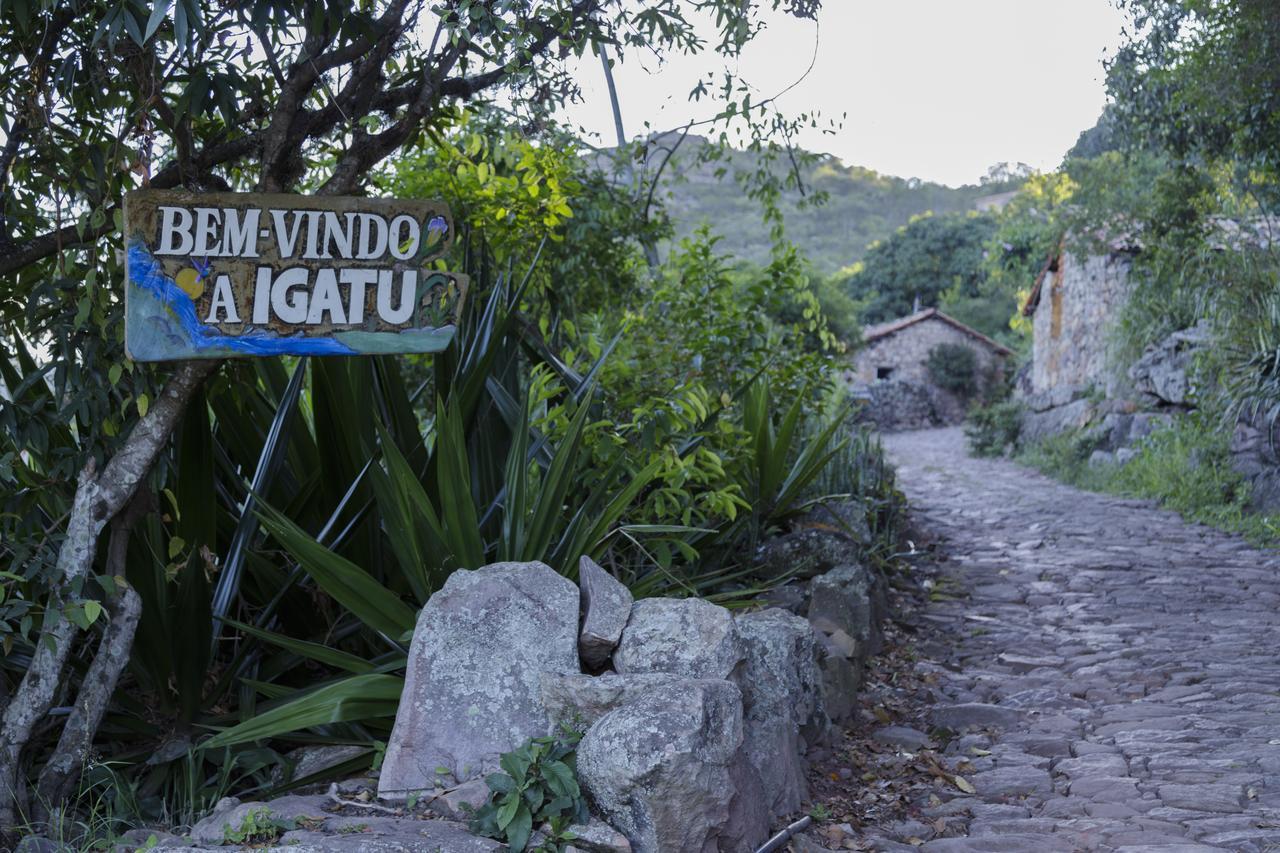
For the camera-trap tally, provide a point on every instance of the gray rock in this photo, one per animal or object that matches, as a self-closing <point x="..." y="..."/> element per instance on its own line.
<point x="230" y="815"/>
<point x="1014" y="781"/>
<point x="683" y="636"/>
<point x="781" y="698"/>
<point x="1204" y="798"/>
<point x="598" y="837"/>
<point x="843" y="599"/>
<point x="802" y="553"/>
<point x="975" y="715"/>
<point x="1163" y="371"/>
<point x="901" y="736"/>
<point x="459" y="802"/>
<point x="579" y="700"/>
<point x="386" y="835"/>
<point x="308" y="760"/>
<point x="38" y="844"/>
<point x="841" y="679"/>
<point x="606" y="606"/>
<point x="473" y="684"/>
<point x="1037" y="426"/>
<point x="895" y="404"/>
<point x="847" y="518"/>
<point x="836" y="642"/>
<point x="141" y="839"/>
<point x="792" y="596"/>
<point x="668" y="770"/>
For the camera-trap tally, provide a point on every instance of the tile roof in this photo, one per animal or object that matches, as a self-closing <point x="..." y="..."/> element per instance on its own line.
<point x="881" y="330"/>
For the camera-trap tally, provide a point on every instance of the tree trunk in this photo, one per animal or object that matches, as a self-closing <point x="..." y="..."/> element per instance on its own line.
<point x="98" y="498"/>
<point x="63" y="769"/>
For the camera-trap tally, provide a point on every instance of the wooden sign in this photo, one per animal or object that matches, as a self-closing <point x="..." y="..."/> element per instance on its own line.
<point x="211" y="275"/>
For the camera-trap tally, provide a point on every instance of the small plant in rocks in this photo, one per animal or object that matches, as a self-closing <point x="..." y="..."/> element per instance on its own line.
<point x="539" y="788"/>
<point x="259" y="825"/>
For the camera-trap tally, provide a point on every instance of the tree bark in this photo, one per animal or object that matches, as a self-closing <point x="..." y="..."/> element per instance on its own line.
<point x="63" y="768"/>
<point x="98" y="498"/>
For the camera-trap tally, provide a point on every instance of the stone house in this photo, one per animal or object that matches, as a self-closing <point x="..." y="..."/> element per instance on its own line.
<point x="1073" y="308"/>
<point x="891" y="375"/>
<point x="899" y="349"/>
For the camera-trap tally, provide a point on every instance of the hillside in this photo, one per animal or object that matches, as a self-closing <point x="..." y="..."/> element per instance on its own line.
<point x="863" y="206"/>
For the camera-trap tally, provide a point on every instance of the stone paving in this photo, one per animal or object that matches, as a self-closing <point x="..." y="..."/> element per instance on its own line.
<point x="1113" y="672"/>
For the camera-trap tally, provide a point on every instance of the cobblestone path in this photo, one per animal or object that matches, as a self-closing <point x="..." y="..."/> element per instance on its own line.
<point x="1114" y="672"/>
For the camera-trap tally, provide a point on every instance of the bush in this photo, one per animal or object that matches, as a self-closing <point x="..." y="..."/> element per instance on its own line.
<point x="954" y="368"/>
<point x="1065" y="457"/>
<point x="1185" y="467"/>
<point x="993" y="430"/>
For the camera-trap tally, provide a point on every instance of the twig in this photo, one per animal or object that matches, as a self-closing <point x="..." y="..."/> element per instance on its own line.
<point x="775" y="843"/>
<point x="356" y="804"/>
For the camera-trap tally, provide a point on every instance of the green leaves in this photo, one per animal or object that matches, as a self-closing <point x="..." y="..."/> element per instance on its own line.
<point x="538" y="788"/>
<point x="783" y="467"/>
<point x="349" y="585"/>
<point x="360" y="697"/>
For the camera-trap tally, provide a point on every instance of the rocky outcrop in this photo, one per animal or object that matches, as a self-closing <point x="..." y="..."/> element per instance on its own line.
<point x="606" y="607"/>
<point x="1163" y="374"/>
<point x="1253" y="455"/>
<point x="668" y="770"/>
<point x="473" y="681"/>
<point x="694" y="741"/>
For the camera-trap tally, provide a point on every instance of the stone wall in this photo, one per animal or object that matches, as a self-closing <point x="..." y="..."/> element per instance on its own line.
<point x="907" y="350"/>
<point x="1073" y="322"/>
<point x="892" y="404"/>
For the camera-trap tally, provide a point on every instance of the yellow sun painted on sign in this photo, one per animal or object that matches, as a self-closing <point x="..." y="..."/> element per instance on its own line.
<point x="189" y="281"/>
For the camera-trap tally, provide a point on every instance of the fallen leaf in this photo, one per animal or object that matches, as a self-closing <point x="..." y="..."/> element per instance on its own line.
<point x="964" y="785"/>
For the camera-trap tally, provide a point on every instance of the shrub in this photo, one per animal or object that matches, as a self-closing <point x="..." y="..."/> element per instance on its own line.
<point x="954" y="368"/>
<point x="993" y="430"/>
<point x="1187" y="467"/>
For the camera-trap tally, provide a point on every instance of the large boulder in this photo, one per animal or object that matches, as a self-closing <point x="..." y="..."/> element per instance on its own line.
<point x="781" y="703"/>
<point x="606" y="606"/>
<point x="668" y="770"/>
<point x="473" y="682"/>
<point x="682" y="636"/>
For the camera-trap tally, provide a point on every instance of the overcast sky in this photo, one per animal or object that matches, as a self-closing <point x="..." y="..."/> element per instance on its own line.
<point x="935" y="89"/>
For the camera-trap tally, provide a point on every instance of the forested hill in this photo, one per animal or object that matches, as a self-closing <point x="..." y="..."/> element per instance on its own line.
<point x="863" y="206"/>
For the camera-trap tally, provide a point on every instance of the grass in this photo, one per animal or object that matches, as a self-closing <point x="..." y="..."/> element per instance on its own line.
<point x="1184" y="467"/>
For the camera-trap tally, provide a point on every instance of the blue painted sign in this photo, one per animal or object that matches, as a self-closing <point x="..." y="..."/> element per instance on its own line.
<point x="213" y="275"/>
